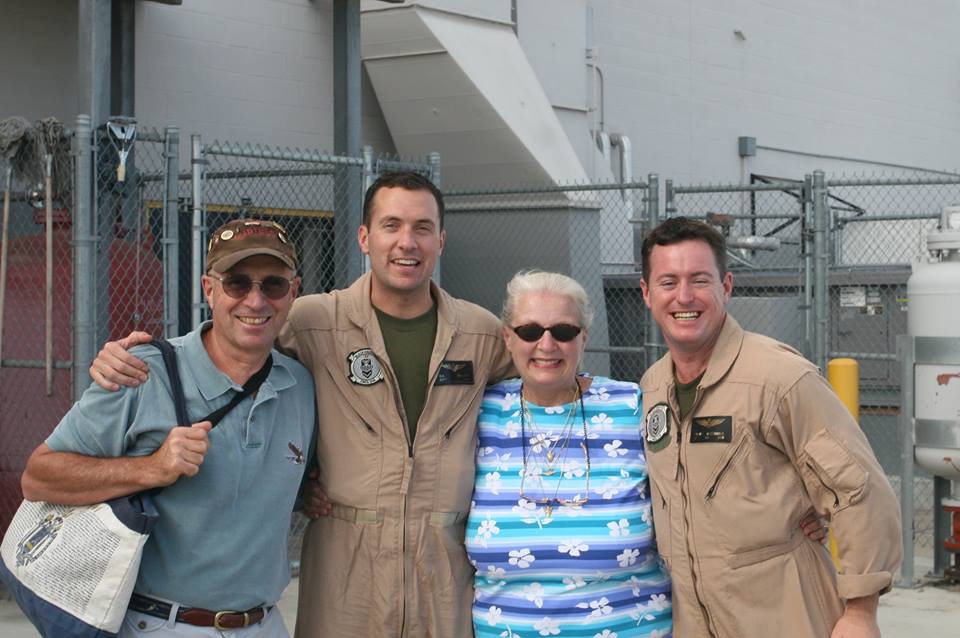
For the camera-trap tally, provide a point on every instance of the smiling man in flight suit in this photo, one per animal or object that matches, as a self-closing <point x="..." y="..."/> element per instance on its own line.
<point x="743" y="436"/>
<point x="399" y="368"/>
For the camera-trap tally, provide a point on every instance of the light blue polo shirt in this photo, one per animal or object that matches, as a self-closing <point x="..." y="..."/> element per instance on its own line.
<point x="221" y="540"/>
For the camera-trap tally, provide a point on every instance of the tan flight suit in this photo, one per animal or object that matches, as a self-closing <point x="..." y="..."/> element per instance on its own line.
<point x="390" y="560"/>
<point x="765" y="440"/>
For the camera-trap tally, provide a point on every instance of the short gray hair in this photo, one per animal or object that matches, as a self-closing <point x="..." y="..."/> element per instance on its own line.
<point x="533" y="281"/>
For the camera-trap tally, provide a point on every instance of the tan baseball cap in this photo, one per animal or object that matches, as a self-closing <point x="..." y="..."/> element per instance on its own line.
<point x="242" y="238"/>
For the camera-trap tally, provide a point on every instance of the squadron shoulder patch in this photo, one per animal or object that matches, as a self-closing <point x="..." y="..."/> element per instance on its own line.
<point x="364" y="367"/>
<point x="658" y="426"/>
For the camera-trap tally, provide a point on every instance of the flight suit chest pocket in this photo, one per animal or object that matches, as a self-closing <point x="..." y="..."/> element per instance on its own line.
<point x="726" y="466"/>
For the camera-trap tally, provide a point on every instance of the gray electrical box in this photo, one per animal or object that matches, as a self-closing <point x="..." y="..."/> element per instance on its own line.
<point x="747" y="146"/>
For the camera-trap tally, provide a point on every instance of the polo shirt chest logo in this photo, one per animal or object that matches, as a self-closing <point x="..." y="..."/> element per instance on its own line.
<point x="658" y="426"/>
<point x="712" y="429"/>
<point x="364" y="367"/>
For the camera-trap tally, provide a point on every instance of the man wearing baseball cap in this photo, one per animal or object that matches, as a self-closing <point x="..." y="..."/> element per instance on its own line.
<point x="217" y="558"/>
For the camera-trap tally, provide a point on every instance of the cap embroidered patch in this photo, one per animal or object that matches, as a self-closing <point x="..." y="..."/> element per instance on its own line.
<point x="364" y="367"/>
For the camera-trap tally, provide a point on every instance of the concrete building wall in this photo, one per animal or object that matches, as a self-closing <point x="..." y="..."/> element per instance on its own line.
<point x="238" y="70"/>
<point x="873" y="80"/>
<point x="38" y="50"/>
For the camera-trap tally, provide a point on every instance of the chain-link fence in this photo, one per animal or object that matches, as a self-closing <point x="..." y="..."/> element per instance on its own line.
<point x="35" y="293"/>
<point x="820" y="264"/>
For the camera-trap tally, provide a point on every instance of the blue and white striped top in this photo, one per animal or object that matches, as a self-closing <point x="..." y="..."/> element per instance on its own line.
<point x="547" y="563"/>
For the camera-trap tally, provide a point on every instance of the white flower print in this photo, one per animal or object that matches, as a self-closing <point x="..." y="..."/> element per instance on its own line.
<point x="483" y="451"/>
<point x="574" y="582"/>
<point x="513" y="429"/>
<point x="492" y="481"/>
<point x="554" y="409"/>
<point x="601" y="421"/>
<point x="527" y="510"/>
<point x="509" y="398"/>
<point x="640" y="614"/>
<point x="628" y="557"/>
<point x="488" y="527"/>
<point x="642" y="489"/>
<point x="614" y="450"/>
<point x="547" y="626"/>
<point x="541" y="442"/>
<point x="573" y="469"/>
<point x="600" y="608"/>
<point x="534" y="593"/>
<point x="606" y="633"/>
<point x="619" y="528"/>
<point x="645" y="515"/>
<point x="658" y="602"/>
<point x="633" y="401"/>
<point x="635" y="585"/>
<point x="495" y="573"/>
<point x="501" y="462"/>
<point x="573" y="507"/>
<point x="493" y="615"/>
<point x="522" y="558"/>
<point x="610" y="488"/>
<point x="573" y="547"/>
<point x="658" y="633"/>
<point x="600" y="394"/>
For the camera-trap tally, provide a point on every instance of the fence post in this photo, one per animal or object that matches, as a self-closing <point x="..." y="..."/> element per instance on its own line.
<point x="806" y="205"/>
<point x="196" y="270"/>
<point x="654" y="340"/>
<point x="369" y="176"/>
<point x="906" y="354"/>
<point x="171" y="233"/>
<point x="820" y="269"/>
<point x="84" y="257"/>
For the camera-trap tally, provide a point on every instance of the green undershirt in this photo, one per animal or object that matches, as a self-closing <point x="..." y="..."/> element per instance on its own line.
<point x="409" y="344"/>
<point x="686" y="394"/>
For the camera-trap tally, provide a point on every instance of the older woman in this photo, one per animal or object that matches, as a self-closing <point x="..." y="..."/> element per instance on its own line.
<point x="560" y="531"/>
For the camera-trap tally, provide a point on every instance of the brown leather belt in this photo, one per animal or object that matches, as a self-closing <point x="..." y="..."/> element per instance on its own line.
<point x="197" y="616"/>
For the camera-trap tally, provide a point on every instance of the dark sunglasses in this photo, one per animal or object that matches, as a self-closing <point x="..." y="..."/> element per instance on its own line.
<point x="239" y="286"/>
<point x="562" y="332"/>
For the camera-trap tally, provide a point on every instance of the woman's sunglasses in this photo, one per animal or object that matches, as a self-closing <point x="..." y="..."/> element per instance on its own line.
<point x="562" y="332"/>
<point x="239" y="286"/>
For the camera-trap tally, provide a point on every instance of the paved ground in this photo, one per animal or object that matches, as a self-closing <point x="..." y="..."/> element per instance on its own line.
<point x="928" y="612"/>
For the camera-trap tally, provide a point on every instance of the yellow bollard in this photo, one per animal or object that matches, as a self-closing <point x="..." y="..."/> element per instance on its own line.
<point x="844" y="377"/>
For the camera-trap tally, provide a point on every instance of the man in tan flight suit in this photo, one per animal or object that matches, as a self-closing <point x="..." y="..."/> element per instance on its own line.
<point x="743" y="436"/>
<point x="400" y="367"/>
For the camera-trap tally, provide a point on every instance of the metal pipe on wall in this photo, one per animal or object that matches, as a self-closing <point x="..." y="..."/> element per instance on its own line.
<point x="85" y="260"/>
<point x="820" y="268"/>
<point x="654" y="340"/>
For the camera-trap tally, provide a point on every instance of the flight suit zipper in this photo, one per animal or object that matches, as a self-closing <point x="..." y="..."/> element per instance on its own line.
<point x="685" y="500"/>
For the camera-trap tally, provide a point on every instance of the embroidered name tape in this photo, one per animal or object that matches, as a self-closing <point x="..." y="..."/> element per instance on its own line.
<point x="455" y="373"/>
<point x="712" y="429"/>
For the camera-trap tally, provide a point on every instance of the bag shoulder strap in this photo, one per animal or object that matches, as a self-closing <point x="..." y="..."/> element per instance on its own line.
<point x="176" y="387"/>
